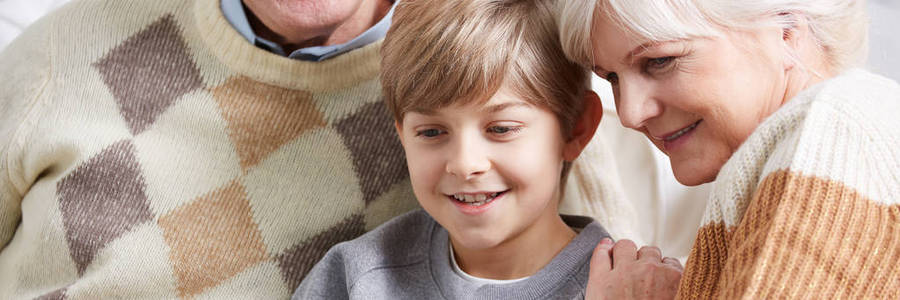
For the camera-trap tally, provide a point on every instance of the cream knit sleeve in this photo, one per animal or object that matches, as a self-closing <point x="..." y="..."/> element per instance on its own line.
<point x="25" y="67"/>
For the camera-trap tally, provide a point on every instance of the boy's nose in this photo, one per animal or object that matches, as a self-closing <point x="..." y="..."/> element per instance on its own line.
<point x="468" y="161"/>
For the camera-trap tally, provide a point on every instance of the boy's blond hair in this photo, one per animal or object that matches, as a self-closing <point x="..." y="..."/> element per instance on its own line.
<point x="439" y="52"/>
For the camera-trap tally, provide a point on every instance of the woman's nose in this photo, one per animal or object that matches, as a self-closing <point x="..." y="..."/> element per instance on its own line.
<point x="636" y="103"/>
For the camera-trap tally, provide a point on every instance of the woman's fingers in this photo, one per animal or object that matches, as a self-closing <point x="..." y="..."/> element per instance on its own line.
<point x="624" y="252"/>
<point x="601" y="267"/>
<point x="631" y="274"/>
<point x="651" y="253"/>
<point x="674" y="263"/>
<point x="601" y="260"/>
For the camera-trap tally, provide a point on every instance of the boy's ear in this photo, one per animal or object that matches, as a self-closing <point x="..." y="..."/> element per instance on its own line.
<point x="585" y="127"/>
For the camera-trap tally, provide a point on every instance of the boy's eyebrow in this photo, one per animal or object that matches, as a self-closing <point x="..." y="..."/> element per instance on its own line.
<point x="503" y="106"/>
<point x="488" y="109"/>
<point x="427" y="112"/>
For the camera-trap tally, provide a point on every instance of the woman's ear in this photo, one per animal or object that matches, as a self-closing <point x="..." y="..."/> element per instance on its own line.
<point x="585" y="126"/>
<point x="795" y="34"/>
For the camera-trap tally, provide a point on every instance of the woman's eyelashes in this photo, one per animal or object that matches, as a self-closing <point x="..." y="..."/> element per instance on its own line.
<point x="665" y="62"/>
<point x="651" y="66"/>
<point x="658" y="66"/>
<point x="658" y="63"/>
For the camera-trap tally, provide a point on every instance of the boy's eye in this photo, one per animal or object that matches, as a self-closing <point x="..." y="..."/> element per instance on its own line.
<point x="503" y="131"/>
<point x="432" y="132"/>
<point x="499" y="129"/>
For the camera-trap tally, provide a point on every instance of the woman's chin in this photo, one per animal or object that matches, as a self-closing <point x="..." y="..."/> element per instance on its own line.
<point x="694" y="176"/>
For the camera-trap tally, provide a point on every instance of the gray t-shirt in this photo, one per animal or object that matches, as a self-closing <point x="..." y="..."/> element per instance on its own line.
<point x="409" y="258"/>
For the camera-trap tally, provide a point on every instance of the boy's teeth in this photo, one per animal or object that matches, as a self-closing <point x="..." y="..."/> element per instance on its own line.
<point x="477" y="200"/>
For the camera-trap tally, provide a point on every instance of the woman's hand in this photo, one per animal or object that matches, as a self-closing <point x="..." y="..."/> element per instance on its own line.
<point x="621" y="271"/>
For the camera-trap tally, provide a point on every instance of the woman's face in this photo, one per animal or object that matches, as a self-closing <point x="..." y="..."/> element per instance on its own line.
<point x="698" y="99"/>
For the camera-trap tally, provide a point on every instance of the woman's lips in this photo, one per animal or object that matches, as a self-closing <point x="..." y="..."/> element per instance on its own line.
<point x="681" y="132"/>
<point x="673" y="140"/>
<point x="677" y="133"/>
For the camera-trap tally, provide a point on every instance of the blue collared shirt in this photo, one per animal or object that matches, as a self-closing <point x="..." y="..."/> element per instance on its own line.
<point x="235" y="14"/>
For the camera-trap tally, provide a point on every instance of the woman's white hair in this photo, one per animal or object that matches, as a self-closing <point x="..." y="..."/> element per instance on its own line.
<point x="840" y="27"/>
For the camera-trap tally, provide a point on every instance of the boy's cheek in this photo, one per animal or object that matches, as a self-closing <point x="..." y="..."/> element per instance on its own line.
<point x="423" y="168"/>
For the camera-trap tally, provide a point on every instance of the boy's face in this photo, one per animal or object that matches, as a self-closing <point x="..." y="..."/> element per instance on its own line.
<point x="486" y="172"/>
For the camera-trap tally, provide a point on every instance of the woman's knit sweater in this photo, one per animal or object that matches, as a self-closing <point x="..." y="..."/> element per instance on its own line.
<point x="809" y="205"/>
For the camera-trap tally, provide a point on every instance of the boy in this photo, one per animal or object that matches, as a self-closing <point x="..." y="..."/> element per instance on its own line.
<point x="490" y="113"/>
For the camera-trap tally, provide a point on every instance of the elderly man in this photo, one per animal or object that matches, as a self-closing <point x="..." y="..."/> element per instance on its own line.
<point x="173" y="149"/>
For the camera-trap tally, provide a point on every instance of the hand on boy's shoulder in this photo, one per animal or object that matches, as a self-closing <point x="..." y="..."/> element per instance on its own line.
<point x="621" y="271"/>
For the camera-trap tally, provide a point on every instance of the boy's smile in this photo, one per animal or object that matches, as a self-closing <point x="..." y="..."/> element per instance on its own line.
<point x="476" y="203"/>
<point x="476" y="199"/>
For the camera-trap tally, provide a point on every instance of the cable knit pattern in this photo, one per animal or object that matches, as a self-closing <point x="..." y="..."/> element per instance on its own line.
<point x="809" y="205"/>
<point x="148" y="151"/>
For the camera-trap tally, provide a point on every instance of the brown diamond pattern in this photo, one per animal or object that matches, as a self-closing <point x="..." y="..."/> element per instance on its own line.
<point x="101" y="200"/>
<point x="297" y="261"/>
<point x="212" y="239"/>
<point x="148" y="72"/>
<point x="261" y="117"/>
<point x="377" y="153"/>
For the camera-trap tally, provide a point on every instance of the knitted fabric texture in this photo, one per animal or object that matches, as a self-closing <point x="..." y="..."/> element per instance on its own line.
<point x="409" y="258"/>
<point x="809" y="205"/>
<point x="148" y="151"/>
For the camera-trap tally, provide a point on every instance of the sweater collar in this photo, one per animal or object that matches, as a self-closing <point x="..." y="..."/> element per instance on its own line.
<point x="236" y="15"/>
<point x="572" y="260"/>
<point x="232" y="49"/>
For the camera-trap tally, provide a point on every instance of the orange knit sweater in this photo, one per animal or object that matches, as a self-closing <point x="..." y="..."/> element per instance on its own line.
<point x="808" y="206"/>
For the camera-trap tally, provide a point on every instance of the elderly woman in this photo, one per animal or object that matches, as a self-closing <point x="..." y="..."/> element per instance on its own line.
<point x="761" y="98"/>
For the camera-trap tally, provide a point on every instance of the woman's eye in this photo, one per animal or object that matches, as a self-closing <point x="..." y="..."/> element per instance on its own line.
<point x="429" y="133"/>
<point x="659" y="62"/>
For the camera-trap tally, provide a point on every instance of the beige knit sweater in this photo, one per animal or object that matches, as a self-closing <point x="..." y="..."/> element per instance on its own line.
<point x="148" y="151"/>
<point x="809" y="206"/>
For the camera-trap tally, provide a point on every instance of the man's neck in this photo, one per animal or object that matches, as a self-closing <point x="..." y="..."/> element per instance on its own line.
<point x="291" y="39"/>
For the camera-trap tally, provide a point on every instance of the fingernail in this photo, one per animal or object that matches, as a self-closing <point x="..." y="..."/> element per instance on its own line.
<point x="606" y="242"/>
